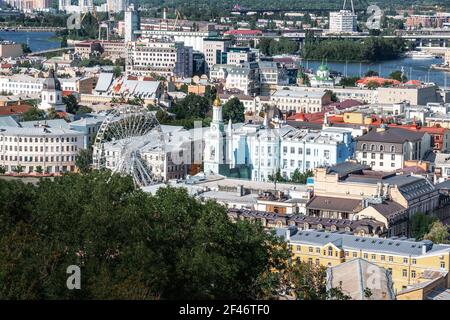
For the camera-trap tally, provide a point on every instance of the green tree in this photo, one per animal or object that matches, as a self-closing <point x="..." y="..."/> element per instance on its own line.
<point x="332" y="94"/>
<point x="438" y="233"/>
<point x="71" y="103"/>
<point x="301" y="178"/>
<point x="309" y="282"/>
<point x="39" y="170"/>
<point x="191" y="106"/>
<point x="117" y="71"/>
<point x="233" y="109"/>
<point x="25" y="48"/>
<point x="371" y="73"/>
<point x="420" y="224"/>
<point x="349" y="81"/>
<point x="129" y="244"/>
<point x="83" y="110"/>
<point x="83" y="160"/>
<point x="398" y="75"/>
<point x="33" y="114"/>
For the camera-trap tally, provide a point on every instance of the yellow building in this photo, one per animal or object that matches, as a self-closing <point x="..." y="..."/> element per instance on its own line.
<point x="407" y="260"/>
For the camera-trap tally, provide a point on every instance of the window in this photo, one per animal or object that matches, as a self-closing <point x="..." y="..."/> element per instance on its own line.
<point x="393" y="157"/>
<point x="317" y="262"/>
<point x="442" y="265"/>
<point x="383" y="258"/>
<point x="330" y="251"/>
<point x="405" y="260"/>
<point x="366" y="256"/>
<point x="413" y="273"/>
<point x="372" y="147"/>
<point x="404" y="273"/>
<point x="414" y="261"/>
<point x="318" y="250"/>
<point x="373" y="257"/>
<point x="355" y="254"/>
<point x="299" y="248"/>
<point x="364" y="155"/>
<point x="310" y="249"/>
<point x="347" y="253"/>
<point x="372" y="156"/>
<point x="308" y="151"/>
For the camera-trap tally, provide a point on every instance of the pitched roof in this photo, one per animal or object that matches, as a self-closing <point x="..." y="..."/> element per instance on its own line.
<point x="388" y="208"/>
<point x="356" y="275"/>
<point x="393" y="135"/>
<point x="334" y="204"/>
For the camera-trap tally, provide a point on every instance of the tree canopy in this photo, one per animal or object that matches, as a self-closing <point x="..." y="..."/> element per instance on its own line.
<point x="128" y="244"/>
<point x="233" y="109"/>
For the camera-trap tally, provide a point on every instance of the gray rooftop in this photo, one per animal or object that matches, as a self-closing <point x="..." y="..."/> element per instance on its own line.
<point x="351" y="242"/>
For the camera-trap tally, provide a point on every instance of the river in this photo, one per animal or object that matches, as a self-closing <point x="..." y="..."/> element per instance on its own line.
<point x="414" y="69"/>
<point x="37" y="41"/>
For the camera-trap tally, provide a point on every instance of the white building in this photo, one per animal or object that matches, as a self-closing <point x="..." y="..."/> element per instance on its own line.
<point x="264" y="151"/>
<point x="39" y="148"/>
<point x="343" y="21"/>
<point x="52" y="94"/>
<point x="300" y="99"/>
<point x="386" y="149"/>
<point x="243" y="78"/>
<point x="132" y="22"/>
<point x="163" y="57"/>
<point x="21" y="84"/>
<point x="194" y="39"/>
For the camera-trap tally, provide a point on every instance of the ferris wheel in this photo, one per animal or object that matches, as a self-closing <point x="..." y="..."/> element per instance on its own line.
<point x="120" y="139"/>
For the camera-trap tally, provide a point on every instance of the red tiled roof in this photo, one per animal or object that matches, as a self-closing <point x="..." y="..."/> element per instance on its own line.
<point x="14" y="109"/>
<point x="430" y="130"/>
<point x="378" y="80"/>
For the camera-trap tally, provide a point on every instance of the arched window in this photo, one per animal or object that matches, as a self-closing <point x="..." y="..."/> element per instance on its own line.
<point x="372" y="147"/>
<point x="330" y="251"/>
<point x="392" y="148"/>
<point x="364" y="146"/>
<point x="381" y="148"/>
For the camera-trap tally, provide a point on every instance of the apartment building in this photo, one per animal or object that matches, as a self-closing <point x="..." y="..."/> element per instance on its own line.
<point x="21" y="84"/>
<point x="300" y="99"/>
<point x="343" y="21"/>
<point x="408" y="261"/>
<point x="214" y="48"/>
<point x="26" y="149"/>
<point x="162" y="57"/>
<point x="363" y="187"/>
<point x="418" y="95"/>
<point x="387" y="149"/>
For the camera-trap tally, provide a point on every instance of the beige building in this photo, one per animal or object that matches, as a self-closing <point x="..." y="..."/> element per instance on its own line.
<point x="213" y="49"/>
<point x="416" y="95"/>
<point x="353" y="191"/>
<point x="300" y="99"/>
<point x="447" y="57"/>
<point x="10" y="49"/>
